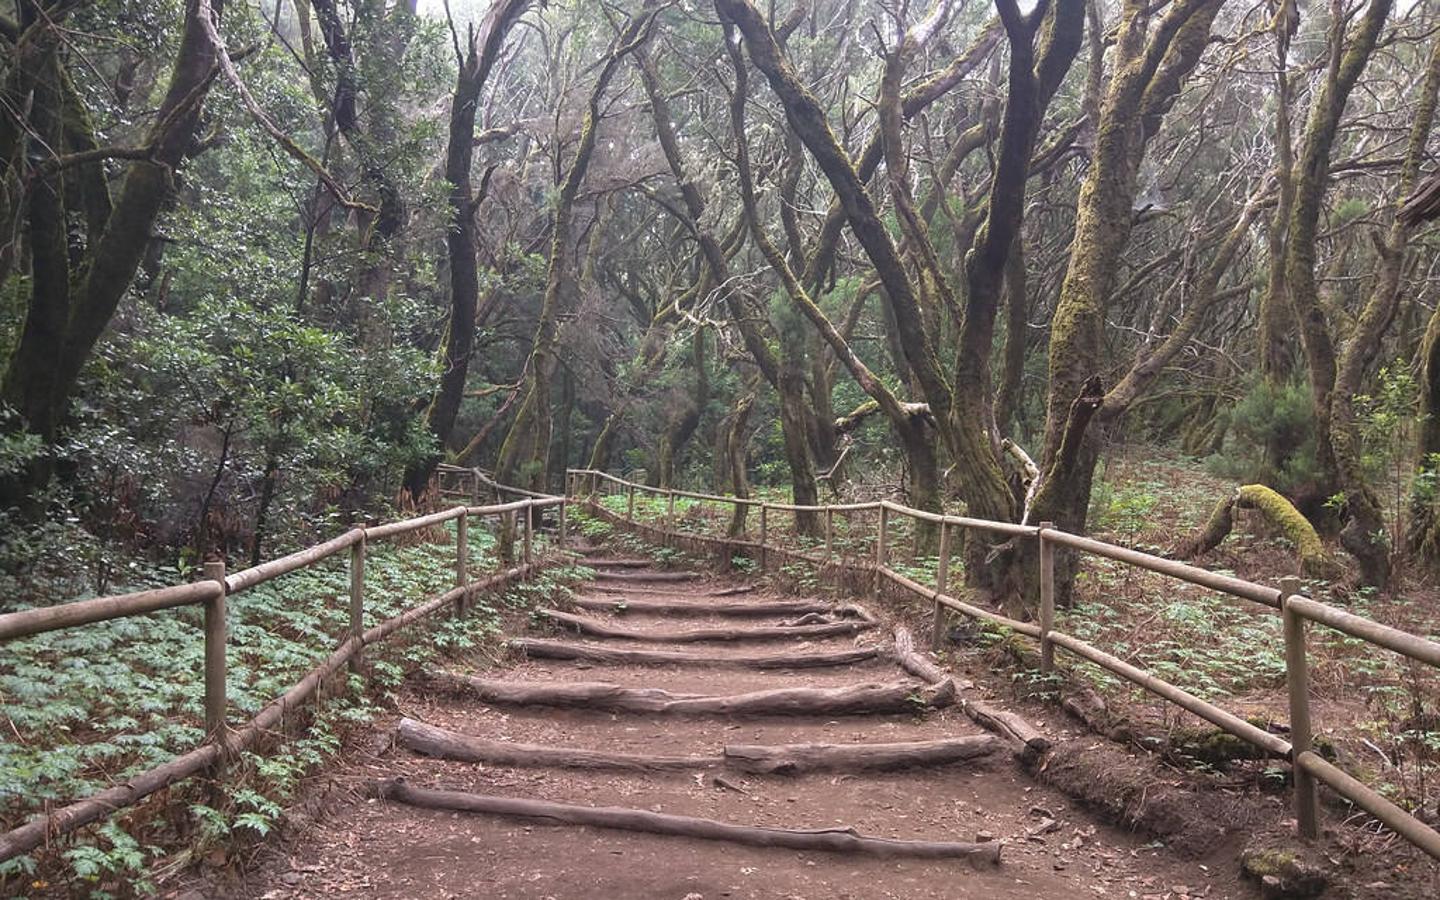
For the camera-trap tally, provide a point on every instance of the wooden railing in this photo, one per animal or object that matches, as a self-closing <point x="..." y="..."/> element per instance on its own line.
<point x="222" y="742"/>
<point x="1296" y="611"/>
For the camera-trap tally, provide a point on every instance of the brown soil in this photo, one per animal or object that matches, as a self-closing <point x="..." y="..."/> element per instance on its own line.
<point x="1053" y="848"/>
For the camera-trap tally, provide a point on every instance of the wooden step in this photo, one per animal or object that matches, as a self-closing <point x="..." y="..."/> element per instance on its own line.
<point x="838" y="840"/>
<point x="691" y="608"/>
<point x="646" y="576"/>
<point x="755" y="759"/>
<point x="536" y="648"/>
<point x="868" y="698"/>
<point x="699" y="635"/>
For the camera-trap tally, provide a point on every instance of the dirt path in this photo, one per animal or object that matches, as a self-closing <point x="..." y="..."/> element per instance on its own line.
<point x="367" y="847"/>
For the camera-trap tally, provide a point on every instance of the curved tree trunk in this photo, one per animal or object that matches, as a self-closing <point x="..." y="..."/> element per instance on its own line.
<point x="461" y="243"/>
<point x="527" y="445"/>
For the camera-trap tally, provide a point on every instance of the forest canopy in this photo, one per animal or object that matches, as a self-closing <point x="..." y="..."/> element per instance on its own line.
<point x="265" y="264"/>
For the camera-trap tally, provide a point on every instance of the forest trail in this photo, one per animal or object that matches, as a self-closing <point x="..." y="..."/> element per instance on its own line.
<point x="547" y="731"/>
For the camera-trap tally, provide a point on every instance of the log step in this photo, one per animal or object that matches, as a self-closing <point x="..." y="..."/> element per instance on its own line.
<point x="850" y="700"/>
<point x="697" y="635"/>
<point x="669" y="592"/>
<point x="757" y="759"/>
<point x="794" y="759"/>
<point x="835" y="840"/>
<point x="688" y="608"/>
<point x="595" y="562"/>
<point x="440" y="743"/>
<point x="647" y="576"/>
<point x="536" y="648"/>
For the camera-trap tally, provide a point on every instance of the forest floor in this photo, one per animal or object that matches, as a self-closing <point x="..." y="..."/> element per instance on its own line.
<point x="356" y="845"/>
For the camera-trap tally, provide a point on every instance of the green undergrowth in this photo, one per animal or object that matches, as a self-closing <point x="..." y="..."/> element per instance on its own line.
<point x="87" y="707"/>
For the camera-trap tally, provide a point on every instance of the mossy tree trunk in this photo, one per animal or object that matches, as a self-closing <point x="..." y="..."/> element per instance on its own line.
<point x="737" y="437"/>
<point x="1276" y="319"/>
<point x="71" y="301"/>
<point x="682" y="426"/>
<point x="1151" y="64"/>
<point x="1335" y="376"/>
<point x="912" y="303"/>
<point x="525" y="453"/>
<point x="784" y="371"/>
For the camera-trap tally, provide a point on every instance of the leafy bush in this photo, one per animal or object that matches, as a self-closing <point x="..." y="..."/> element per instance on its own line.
<point x="1271" y="438"/>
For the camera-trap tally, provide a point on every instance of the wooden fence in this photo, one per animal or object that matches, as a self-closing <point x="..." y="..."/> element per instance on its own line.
<point x="1296" y="611"/>
<point x="222" y="742"/>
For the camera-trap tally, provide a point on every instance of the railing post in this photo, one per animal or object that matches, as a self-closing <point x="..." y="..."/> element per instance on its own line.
<point x="462" y="550"/>
<point x="942" y="583"/>
<point x="1297" y="679"/>
<point x="462" y="560"/>
<point x="881" y="557"/>
<point x="564" y="503"/>
<point x="215" y="634"/>
<point x="764" y="533"/>
<point x="507" y="537"/>
<point x="630" y="506"/>
<point x="1047" y="599"/>
<point x="357" y="598"/>
<point x="670" y="517"/>
<point x="829" y="531"/>
<point x="529" y="531"/>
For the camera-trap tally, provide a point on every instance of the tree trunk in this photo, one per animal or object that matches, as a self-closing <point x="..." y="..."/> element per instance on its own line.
<point x="1335" y="377"/>
<point x="526" y="446"/>
<point x="1151" y="66"/>
<point x="461" y="243"/>
<point x="67" y="312"/>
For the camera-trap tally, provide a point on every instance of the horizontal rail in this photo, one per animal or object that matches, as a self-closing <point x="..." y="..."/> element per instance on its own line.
<point x="1228" y="584"/>
<point x="961" y="521"/>
<point x="1402" y="642"/>
<point x="100" y="609"/>
<point x="946" y="600"/>
<point x="834" y="507"/>
<point x="491" y="483"/>
<point x="513" y="506"/>
<point x="25" y="623"/>
<point x="1208" y="711"/>
<point x="248" y="578"/>
<point x="1395" y="818"/>
<point x="408" y="525"/>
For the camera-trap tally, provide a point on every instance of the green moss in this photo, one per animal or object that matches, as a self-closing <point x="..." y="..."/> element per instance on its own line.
<point x="1270" y="862"/>
<point x="1314" y="560"/>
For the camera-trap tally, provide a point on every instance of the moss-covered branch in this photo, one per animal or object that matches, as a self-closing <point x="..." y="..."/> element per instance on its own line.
<point x="1315" y="561"/>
